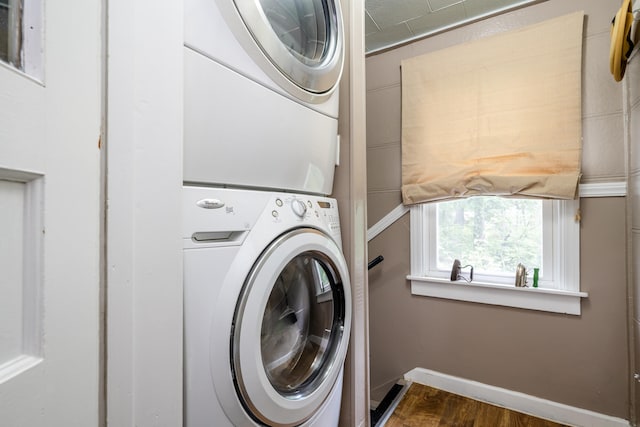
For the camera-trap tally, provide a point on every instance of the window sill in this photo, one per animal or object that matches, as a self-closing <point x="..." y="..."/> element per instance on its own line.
<point x="552" y="300"/>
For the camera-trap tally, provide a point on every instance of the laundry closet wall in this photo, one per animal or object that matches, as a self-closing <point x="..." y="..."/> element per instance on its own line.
<point x="632" y="114"/>
<point x="350" y="189"/>
<point x="580" y="361"/>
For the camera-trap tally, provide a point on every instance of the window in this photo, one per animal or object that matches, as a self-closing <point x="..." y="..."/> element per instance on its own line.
<point x="495" y="234"/>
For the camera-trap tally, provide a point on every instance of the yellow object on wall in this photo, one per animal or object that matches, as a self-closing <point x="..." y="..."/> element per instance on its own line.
<point x="621" y="40"/>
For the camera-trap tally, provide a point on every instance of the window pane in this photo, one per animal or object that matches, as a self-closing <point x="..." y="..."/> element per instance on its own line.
<point x="493" y="234"/>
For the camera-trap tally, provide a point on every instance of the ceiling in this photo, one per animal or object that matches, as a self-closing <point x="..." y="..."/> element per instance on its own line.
<point x="390" y="23"/>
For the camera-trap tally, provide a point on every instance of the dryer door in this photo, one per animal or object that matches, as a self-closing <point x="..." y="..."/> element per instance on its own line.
<point x="302" y="39"/>
<point x="291" y="328"/>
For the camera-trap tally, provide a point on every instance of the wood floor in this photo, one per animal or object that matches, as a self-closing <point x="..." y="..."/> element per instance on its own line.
<point x="424" y="406"/>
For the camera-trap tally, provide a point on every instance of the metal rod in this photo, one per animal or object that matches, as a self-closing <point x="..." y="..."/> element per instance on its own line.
<point x="377" y="260"/>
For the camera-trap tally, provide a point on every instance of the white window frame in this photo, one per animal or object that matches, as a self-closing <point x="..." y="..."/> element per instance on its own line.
<point x="559" y="290"/>
<point x="33" y="39"/>
<point x="547" y="278"/>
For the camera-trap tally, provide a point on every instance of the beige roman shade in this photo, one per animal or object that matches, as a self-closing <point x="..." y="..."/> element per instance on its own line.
<point x="497" y="116"/>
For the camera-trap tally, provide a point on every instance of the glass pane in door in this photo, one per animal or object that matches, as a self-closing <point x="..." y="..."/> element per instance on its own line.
<point x="11" y="32"/>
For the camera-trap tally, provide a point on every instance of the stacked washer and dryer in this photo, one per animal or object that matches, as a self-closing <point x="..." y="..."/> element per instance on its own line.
<point x="267" y="296"/>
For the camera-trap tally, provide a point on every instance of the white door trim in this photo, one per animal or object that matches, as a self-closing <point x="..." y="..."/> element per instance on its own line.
<point x="144" y="182"/>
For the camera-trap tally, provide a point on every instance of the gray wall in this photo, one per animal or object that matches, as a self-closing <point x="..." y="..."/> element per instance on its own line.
<point x="632" y="111"/>
<point x="576" y="360"/>
<point x="350" y="189"/>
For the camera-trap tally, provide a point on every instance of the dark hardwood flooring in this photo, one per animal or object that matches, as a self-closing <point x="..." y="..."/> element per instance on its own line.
<point x="424" y="406"/>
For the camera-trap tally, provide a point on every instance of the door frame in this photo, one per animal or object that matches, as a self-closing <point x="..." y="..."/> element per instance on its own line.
<point x="143" y="184"/>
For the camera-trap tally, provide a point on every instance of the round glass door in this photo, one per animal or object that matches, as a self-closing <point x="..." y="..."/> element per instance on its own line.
<point x="303" y="39"/>
<point x="302" y="325"/>
<point x="291" y="328"/>
<point x="302" y="26"/>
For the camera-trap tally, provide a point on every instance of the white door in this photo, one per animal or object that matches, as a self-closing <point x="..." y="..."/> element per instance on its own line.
<point x="50" y="124"/>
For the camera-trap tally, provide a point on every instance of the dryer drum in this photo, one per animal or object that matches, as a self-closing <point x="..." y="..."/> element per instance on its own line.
<point x="301" y="26"/>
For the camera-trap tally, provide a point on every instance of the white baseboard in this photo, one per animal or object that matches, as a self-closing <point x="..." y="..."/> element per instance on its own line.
<point x="513" y="400"/>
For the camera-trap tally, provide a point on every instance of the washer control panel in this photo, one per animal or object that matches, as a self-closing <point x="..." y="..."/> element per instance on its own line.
<point x="302" y="208"/>
<point x="223" y="217"/>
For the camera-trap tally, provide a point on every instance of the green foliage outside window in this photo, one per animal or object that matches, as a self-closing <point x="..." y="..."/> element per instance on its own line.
<point x="493" y="234"/>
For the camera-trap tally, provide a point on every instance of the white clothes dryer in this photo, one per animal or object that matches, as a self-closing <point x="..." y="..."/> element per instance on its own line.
<point x="261" y="93"/>
<point x="267" y="309"/>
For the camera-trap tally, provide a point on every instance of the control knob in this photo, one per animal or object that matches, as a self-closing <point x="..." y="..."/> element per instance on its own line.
<point x="298" y="207"/>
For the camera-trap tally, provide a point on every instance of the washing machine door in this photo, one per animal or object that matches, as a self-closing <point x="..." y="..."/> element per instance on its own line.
<point x="291" y="329"/>
<point x="303" y="41"/>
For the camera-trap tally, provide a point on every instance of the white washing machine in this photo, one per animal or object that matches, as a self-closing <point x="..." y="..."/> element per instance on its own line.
<point x="261" y="93"/>
<point x="267" y="309"/>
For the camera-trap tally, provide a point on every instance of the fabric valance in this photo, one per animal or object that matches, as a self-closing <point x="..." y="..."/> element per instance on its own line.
<point x="496" y="116"/>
